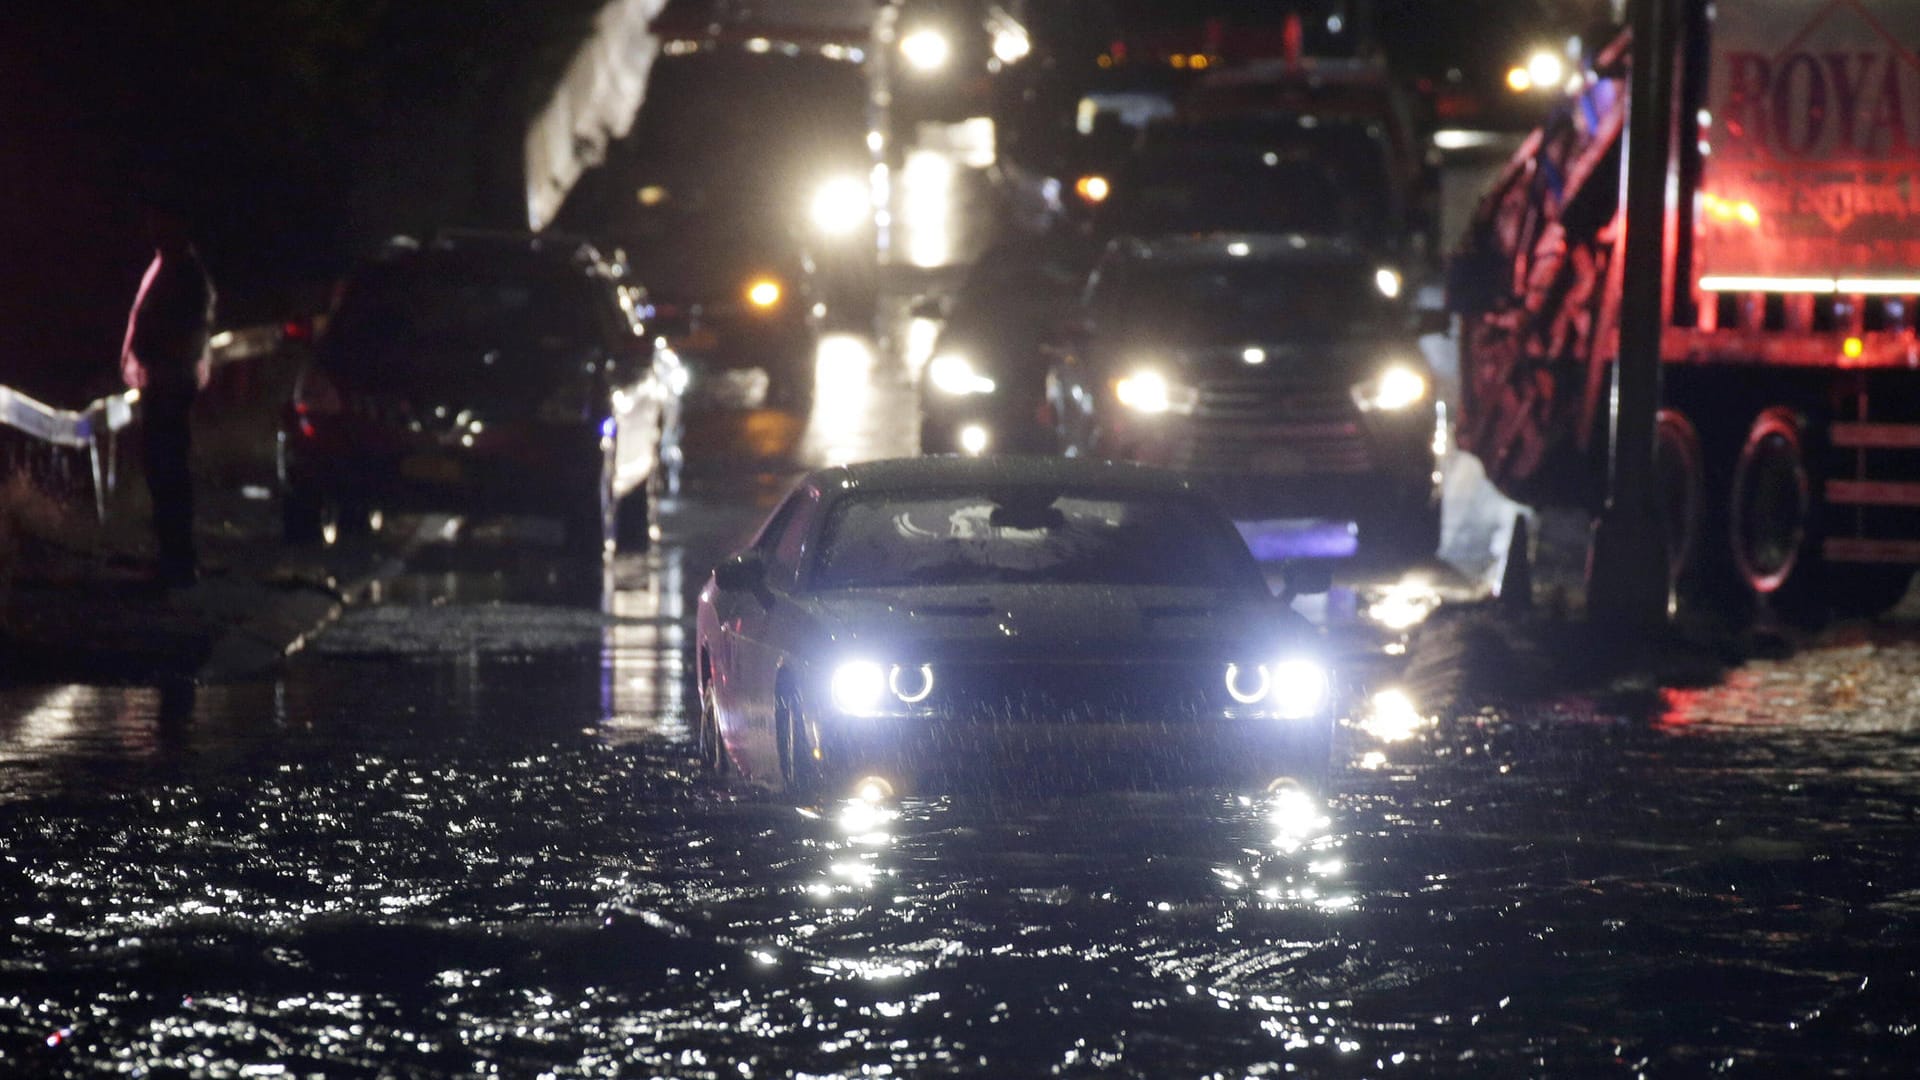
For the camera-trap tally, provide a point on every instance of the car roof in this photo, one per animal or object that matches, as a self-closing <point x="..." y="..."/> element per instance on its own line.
<point x="1200" y="249"/>
<point x="908" y="475"/>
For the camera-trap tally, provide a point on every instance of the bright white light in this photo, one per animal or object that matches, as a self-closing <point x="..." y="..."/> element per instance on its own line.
<point x="859" y="687"/>
<point x="764" y="293"/>
<point x="1388" y="281"/>
<point x="914" y="687"/>
<point x="1010" y="45"/>
<point x="927" y="50"/>
<point x="1300" y="688"/>
<point x="1250" y="685"/>
<point x="1395" y="388"/>
<point x="1546" y="68"/>
<point x="952" y="373"/>
<point x="1741" y="283"/>
<point x="1093" y="189"/>
<point x="841" y="205"/>
<point x="1239" y="249"/>
<point x="973" y="440"/>
<point x="1144" y="391"/>
<point x="1254" y="355"/>
<point x="928" y="204"/>
<point x="1393" y="716"/>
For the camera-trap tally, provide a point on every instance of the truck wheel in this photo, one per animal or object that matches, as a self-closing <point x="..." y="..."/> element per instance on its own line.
<point x="1770" y="508"/>
<point x="1680" y="473"/>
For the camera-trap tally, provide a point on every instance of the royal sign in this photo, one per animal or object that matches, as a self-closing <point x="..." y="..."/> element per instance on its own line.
<point x="1812" y="141"/>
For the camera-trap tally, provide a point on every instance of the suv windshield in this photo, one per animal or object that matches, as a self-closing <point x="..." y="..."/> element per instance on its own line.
<point x="445" y="319"/>
<point x="1030" y="536"/>
<point x="1244" y="300"/>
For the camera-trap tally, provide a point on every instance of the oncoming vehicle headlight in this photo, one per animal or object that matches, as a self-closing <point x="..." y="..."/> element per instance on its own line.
<point x="862" y="687"/>
<point x="951" y="373"/>
<point x="859" y="687"/>
<point x="763" y="292"/>
<point x="841" y="205"/>
<point x="1294" y="689"/>
<point x="926" y="49"/>
<point x="1398" y="386"/>
<point x="1148" y="391"/>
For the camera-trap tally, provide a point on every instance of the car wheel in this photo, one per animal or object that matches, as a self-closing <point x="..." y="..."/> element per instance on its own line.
<point x="798" y="769"/>
<point x="711" y="746"/>
<point x="300" y="516"/>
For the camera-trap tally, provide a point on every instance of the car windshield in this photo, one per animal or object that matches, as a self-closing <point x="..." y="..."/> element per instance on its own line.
<point x="1030" y="536"/>
<point x="419" y="316"/>
<point x="1171" y="196"/>
<point x="1251" y="300"/>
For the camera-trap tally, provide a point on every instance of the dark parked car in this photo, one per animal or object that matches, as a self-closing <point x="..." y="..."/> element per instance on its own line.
<point x="1280" y="372"/>
<point x="900" y="621"/>
<point x="985" y="379"/>
<point x="483" y="374"/>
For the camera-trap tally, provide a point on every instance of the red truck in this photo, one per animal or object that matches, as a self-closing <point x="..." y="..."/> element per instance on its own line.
<point x="1788" y="441"/>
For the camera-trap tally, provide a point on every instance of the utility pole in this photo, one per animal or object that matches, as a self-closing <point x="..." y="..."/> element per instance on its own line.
<point x="1627" y="580"/>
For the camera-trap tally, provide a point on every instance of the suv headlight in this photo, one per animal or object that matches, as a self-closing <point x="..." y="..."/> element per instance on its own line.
<point x="1148" y="391"/>
<point x="841" y="205"/>
<point x="926" y="49"/>
<point x="1398" y="386"/>
<point x="952" y="373"/>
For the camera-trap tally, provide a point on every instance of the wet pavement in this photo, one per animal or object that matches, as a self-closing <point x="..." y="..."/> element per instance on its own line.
<point x="463" y="832"/>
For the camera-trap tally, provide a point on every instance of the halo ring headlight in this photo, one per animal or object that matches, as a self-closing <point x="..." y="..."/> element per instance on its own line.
<point x="1237" y="683"/>
<point x="911" y="684"/>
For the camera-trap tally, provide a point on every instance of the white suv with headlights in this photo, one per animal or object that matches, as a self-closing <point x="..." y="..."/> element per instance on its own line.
<point x="1280" y="372"/>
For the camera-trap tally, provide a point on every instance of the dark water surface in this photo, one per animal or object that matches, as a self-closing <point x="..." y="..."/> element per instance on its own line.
<point x="496" y="855"/>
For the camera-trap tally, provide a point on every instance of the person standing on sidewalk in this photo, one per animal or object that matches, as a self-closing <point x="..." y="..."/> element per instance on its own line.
<point x="165" y="358"/>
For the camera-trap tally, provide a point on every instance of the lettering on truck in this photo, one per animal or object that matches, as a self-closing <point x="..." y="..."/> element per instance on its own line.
<point x="1812" y="139"/>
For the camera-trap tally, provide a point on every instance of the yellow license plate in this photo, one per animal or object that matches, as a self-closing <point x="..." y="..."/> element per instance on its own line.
<point x="431" y="468"/>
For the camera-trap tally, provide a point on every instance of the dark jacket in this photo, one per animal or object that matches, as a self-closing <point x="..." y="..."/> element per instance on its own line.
<point x="166" y="342"/>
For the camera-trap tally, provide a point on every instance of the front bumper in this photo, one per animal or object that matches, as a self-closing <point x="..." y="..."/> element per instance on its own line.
<point x="1063" y="723"/>
<point x="1352" y="468"/>
<point x="531" y="468"/>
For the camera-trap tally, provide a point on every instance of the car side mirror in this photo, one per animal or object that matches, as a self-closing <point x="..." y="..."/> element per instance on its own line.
<point x="744" y="572"/>
<point x="1306" y="577"/>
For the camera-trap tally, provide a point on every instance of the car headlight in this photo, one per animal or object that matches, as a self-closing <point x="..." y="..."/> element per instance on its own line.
<point x="841" y="205"/>
<point x="1397" y="387"/>
<point x="859" y="687"/>
<point x="1294" y="689"/>
<point x="1389" y="282"/>
<point x="1093" y="188"/>
<point x="927" y="50"/>
<point x="764" y="293"/>
<point x="863" y="687"/>
<point x="1148" y="391"/>
<point x="951" y="373"/>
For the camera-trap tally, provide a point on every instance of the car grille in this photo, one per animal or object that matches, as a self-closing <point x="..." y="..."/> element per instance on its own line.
<point x="1039" y="694"/>
<point x="1257" y="425"/>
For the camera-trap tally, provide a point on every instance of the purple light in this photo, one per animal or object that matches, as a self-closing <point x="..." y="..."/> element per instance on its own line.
<point x="1299" y="538"/>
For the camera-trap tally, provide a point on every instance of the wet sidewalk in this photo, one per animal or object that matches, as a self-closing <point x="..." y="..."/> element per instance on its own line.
<point x="80" y="602"/>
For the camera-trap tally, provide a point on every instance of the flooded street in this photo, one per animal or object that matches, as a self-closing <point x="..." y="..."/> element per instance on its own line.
<point x="465" y="833"/>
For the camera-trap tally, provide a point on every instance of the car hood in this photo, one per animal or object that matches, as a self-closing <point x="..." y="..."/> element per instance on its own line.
<point x="1043" y="621"/>
<point x="1283" y="360"/>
